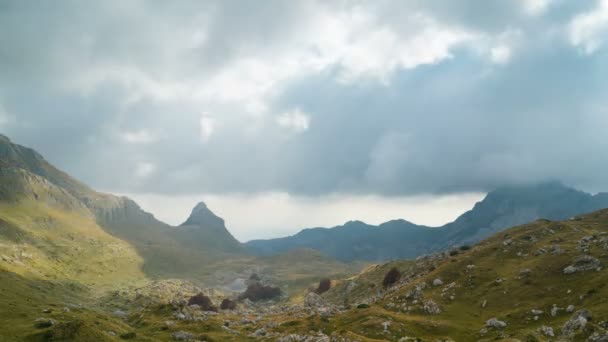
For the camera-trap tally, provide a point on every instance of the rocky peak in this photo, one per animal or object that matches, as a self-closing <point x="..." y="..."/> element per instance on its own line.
<point x="202" y="216"/>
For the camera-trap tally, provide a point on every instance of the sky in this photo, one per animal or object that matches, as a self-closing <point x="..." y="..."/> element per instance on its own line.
<point x="288" y="114"/>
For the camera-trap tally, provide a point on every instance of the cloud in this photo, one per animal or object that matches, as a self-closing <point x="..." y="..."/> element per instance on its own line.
<point x="144" y="169"/>
<point x="500" y="54"/>
<point x="588" y="30"/>
<point x="390" y="98"/>
<point x="295" y="120"/>
<point x="207" y="127"/>
<point x="138" y="137"/>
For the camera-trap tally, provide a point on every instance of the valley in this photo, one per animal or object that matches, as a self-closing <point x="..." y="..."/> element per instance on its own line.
<point x="86" y="266"/>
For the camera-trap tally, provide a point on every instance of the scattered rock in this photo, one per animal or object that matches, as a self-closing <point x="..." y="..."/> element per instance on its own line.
<point x="260" y="332"/>
<point x="547" y="331"/>
<point x="386" y="325"/>
<point x="577" y="322"/>
<point x="582" y="263"/>
<point x="437" y="282"/>
<point x="495" y="323"/>
<point x="431" y="308"/>
<point x="182" y="336"/>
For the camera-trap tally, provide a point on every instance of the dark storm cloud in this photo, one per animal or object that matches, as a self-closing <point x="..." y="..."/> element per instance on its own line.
<point x="386" y="98"/>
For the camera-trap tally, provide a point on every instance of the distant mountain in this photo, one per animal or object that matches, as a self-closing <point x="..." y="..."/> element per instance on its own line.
<point x="500" y="209"/>
<point x="204" y="229"/>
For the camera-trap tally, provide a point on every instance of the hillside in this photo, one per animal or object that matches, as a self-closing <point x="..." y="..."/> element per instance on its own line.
<point x="502" y="208"/>
<point x="529" y="277"/>
<point x="543" y="281"/>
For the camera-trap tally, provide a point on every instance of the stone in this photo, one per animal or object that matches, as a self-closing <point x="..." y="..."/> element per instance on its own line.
<point x="386" y="325"/>
<point x="570" y="308"/>
<point x="431" y="308"/>
<point x="260" y="332"/>
<point x="582" y="263"/>
<point x="577" y="322"/>
<point x="437" y="282"/>
<point x="495" y="323"/>
<point x="182" y="336"/>
<point x="547" y="331"/>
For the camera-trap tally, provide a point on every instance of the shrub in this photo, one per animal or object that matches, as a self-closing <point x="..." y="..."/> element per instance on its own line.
<point x="391" y="277"/>
<point x="363" y="306"/>
<point x="465" y="247"/>
<point x="324" y="286"/>
<point x="203" y="301"/>
<point x="453" y="252"/>
<point x="257" y="291"/>
<point x="254" y="276"/>
<point x="228" y="304"/>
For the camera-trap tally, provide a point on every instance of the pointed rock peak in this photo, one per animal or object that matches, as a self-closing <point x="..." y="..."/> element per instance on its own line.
<point x="4" y="138"/>
<point x="202" y="216"/>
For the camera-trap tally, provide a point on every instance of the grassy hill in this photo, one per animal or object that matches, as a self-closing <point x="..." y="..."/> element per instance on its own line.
<point x="506" y="277"/>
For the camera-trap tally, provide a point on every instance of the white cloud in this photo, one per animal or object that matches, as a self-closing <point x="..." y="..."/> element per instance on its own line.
<point x="138" y="137"/>
<point x="278" y="214"/>
<point x="500" y="54"/>
<point x="295" y="120"/>
<point x="535" y="7"/>
<point x="144" y="169"/>
<point x="207" y="127"/>
<point x="589" y="30"/>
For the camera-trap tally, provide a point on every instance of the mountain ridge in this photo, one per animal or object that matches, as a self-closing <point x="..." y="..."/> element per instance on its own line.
<point x="502" y="208"/>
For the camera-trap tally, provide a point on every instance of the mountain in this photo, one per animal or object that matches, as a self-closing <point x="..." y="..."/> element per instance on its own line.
<point x="204" y="229"/>
<point x="166" y="251"/>
<point x="500" y="209"/>
<point x="66" y="227"/>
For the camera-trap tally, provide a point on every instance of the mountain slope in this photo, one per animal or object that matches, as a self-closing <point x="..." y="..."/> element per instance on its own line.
<point x="500" y="209"/>
<point x="527" y="277"/>
<point x="167" y="251"/>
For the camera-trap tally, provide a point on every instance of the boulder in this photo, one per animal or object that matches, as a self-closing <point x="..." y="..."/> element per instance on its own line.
<point x="495" y="323"/>
<point x="547" y="331"/>
<point x="577" y="322"/>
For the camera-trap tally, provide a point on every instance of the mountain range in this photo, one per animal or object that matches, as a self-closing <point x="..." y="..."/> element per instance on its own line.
<point x="398" y="239"/>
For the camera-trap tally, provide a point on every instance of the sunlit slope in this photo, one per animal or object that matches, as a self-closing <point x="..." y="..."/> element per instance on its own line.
<point x="506" y="277"/>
